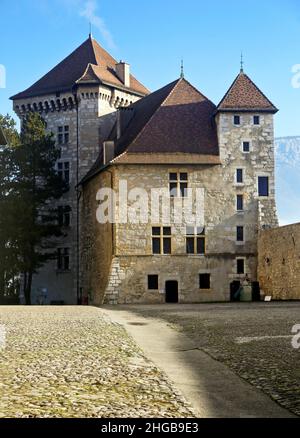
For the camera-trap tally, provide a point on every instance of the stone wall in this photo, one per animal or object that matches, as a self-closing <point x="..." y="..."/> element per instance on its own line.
<point x="279" y="262"/>
<point x="96" y="116"/>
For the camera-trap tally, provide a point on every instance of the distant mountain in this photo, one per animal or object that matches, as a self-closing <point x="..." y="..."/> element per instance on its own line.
<point x="287" y="152"/>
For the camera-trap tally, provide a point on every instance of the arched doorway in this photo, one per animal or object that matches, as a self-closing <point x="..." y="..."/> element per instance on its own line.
<point x="172" y="292"/>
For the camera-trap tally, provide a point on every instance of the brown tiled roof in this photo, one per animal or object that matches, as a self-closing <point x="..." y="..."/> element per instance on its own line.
<point x="175" y="120"/>
<point x="244" y="95"/>
<point x="73" y="68"/>
<point x="2" y="138"/>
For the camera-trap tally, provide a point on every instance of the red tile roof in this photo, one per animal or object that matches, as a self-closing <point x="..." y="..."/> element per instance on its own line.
<point x="177" y="119"/>
<point x="90" y="55"/>
<point x="244" y="95"/>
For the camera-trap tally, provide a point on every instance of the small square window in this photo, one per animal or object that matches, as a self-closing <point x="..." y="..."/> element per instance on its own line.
<point x="246" y="146"/>
<point x="240" y="266"/>
<point x="236" y="120"/>
<point x="256" y="120"/>
<point x="263" y="186"/>
<point x="156" y="231"/>
<point x="239" y="176"/>
<point x="204" y="281"/>
<point x="153" y="282"/>
<point x="240" y="234"/>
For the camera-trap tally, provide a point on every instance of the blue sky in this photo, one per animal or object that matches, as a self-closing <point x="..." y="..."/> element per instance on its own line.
<point x="154" y="35"/>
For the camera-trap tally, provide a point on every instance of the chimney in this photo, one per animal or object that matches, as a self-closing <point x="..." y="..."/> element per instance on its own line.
<point x="108" y="151"/>
<point x="123" y="73"/>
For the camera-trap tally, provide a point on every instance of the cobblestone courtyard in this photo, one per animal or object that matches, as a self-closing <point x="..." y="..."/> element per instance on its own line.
<point x="253" y="340"/>
<point x="73" y="362"/>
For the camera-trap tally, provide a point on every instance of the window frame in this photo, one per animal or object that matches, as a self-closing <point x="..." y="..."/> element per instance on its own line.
<point x="207" y="274"/>
<point x="240" y="259"/>
<point x="234" y="119"/>
<point x="63" y="255"/>
<point x="242" y="182"/>
<point x="178" y="184"/>
<point x="250" y="146"/>
<point x="255" y="117"/>
<point x="63" y="135"/>
<point x="162" y="237"/>
<point x="238" y="229"/>
<point x="240" y="196"/>
<point x="258" y="186"/>
<point x="156" y="282"/>
<point x="195" y="237"/>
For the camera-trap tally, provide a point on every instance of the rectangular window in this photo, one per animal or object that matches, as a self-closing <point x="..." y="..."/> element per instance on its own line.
<point x="246" y="146"/>
<point x="64" y="216"/>
<point x="63" y="259"/>
<point x="256" y="120"/>
<point x="153" y="282"/>
<point x="240" y="266"/>
<point x="236" y="120"/>
<point x="178" y="184"/>
<point x="240" y="234"/>
<point x="263" y="186"/>
<point x="204" y="281"/>
<point x="63" y="135"/>
<point x="161" y="240"/>
<point x="239" y="176"/>
<point x="195" y="240"/>
<point x="240" y="202"/>
<point x="64" y="171"/>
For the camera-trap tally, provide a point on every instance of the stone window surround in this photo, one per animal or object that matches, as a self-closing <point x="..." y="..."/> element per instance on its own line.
<point x="240" y="184"/>
<point x="63" y="255"/>
<point x="255" y="124"/>
<point x="237" y="124"/>
<point x="245" y="267"/>
<point x="161" y="236"/>
<point x="196" y="236"/>
<point x="63" y="162"/>
<point x="240" y="242"/>
<point x="246" y="140"/>
<point x="263" y="174"/>
<point x="205" y="273"/>
<point x="178" y="181"/>
<point x="147" y="282"/>
<point x="236" y="209"/>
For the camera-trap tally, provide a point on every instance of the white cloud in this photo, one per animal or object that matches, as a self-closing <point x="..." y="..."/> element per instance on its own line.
<point x="89" y="12"/>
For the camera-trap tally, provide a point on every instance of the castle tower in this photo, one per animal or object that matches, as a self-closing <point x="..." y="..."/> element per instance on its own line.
<point x="78" y="100"/>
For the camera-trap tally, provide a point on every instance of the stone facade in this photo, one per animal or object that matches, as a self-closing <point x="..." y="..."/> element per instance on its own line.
<point x="279" y="262"/>
<point x="97" y="106"/>
<point x="132" y="256"/>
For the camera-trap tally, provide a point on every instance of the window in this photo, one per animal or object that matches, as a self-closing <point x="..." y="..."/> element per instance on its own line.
<point x="195" y="240"/>
<point x="64" y="171"/>
<point x="64" y="216"/>
<point x="240" y="202"/>
<point x="63" y="134"/>
<point x="178" y="184"/>
<point x="256" y="120"/>
<point x="63" y="259"/>
<point x="263" y="186"/>
<point x="246" y="146"/>
<point x="204" y="281"/>
<point x="239" y="176"/>
<point x="161" y="240"/>
<point x="236" y="120"/>
<point x="240" y="234"/>
<point x="240" y="266"/>
<point x="153" y="282"/>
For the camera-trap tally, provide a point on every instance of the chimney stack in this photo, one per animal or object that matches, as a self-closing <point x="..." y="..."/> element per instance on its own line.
<point x="108" y="151"/>
<point x="123" y="73"/>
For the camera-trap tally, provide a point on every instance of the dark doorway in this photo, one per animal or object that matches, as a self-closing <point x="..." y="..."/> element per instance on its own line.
<point x="171" y="291"/>
<point x="234" y="288"/>
<point x="255" y="291"/>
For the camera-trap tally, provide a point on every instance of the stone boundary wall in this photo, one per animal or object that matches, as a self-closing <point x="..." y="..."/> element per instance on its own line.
<point x="279" y="262"/>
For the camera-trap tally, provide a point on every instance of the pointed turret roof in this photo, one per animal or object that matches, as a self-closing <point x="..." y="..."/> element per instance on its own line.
<point x="176" y="121"/>
<point x="244" y="95"/>
<point x="77" y="67"/>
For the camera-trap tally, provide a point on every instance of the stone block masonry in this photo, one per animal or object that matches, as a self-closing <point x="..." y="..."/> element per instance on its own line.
<point x="279" y="262"/>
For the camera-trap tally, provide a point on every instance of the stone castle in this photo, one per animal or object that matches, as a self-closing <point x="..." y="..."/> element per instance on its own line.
<point x="111" y="129"/>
